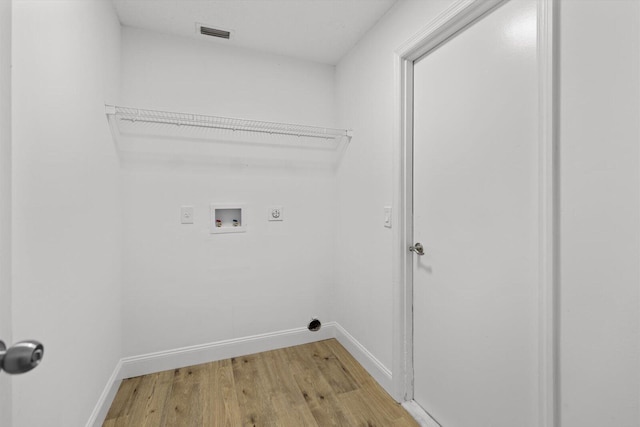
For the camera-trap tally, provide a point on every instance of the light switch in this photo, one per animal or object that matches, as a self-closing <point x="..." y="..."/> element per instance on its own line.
<point x="186" y="214"/>
<point x="387" y="216"/>
<point x="275" y="213"/>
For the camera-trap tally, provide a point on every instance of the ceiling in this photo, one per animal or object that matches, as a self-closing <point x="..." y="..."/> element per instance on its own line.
<point x="317" y="30"/>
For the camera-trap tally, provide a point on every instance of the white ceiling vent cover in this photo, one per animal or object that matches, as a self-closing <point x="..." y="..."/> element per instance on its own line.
<point x="211" y="31"/>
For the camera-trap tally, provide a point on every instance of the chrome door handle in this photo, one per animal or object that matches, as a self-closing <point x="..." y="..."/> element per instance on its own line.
<point x="417" y="248"/>
<point x="20" y="357"/>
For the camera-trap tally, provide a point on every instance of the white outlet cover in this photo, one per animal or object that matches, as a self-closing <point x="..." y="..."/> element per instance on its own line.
<point x="186" y="214"/>
<point x="275" y="213"/>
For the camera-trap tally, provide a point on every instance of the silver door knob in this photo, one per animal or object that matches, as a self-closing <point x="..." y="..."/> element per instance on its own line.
<point x="417" y="248"/>
<point x="20" y="357"/>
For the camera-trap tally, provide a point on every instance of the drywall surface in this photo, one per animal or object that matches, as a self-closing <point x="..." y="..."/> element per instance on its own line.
<point x="182" y="285"/>
<point x="600" y="213"/>
<point x="5" y="199"/>
<point x="172" y="73"/>
<point x="66" y="207"/>
<point x="365" y="102"/>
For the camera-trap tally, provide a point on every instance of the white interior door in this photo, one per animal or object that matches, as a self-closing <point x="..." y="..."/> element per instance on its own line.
<point x="5" y="201"/>
<point x="476" y="214"/>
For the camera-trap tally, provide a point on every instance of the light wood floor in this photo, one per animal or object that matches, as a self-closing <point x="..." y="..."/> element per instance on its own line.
<point x="318" y="384"/>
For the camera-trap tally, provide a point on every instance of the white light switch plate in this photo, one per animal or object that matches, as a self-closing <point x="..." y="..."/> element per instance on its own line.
<point x="387" y="216"/>
<point x="186" y="214"/>
<point x="275" y="213"/>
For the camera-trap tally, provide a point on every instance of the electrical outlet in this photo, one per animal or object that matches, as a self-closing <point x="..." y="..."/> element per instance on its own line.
<point x="275" y="213"/>
<point x="186" y="215"/>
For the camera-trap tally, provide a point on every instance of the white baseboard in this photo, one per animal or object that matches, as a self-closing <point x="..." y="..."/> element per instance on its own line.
<point x="375" y="368"/>
<point x="419" y="414"/>
<point x="106" y="398"/>
<point x="203" y="353"/>
<point x="194" y="355"/>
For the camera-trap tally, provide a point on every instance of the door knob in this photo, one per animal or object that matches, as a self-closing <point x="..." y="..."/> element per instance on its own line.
<point x="20" y="357"/>
<point x="417" y="248"/>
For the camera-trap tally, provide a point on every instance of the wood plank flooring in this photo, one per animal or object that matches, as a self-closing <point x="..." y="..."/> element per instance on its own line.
<point x="317" y="384"/>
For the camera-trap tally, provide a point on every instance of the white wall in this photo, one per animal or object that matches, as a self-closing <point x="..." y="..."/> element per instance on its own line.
<point x="181" y="74"/>
<point x="5" y="199"/>
<point x="182" y="285"/>
<point x="600" y="227"/>
<point x="600" y="195"/>
<point x="365" y="100"/>
<point x="66" y="207"/>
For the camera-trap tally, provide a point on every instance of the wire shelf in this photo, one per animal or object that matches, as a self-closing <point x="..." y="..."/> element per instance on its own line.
<point x="138" y="115"/>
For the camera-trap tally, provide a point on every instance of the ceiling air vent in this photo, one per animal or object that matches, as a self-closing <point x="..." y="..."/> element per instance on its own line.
<point x="214" y="32"/>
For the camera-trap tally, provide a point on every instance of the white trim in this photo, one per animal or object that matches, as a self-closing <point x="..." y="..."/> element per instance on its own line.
<point x="450" y="22"/>
<point x="402" y="263"/>
<point x="193" y="355"/>
<point x="374" y="367"/>
<point x="419" y="414"/>
<point x="187" y="356"/>
<point x="106" y="398"/>
<point x="454" y="19"/>
<point x="549" y="216"/>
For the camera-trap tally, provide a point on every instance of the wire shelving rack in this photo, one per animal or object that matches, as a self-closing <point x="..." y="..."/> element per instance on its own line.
<point x="139" y="115"/>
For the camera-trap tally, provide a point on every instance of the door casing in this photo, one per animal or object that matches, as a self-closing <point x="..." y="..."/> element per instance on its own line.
<point x="459" y="15"/>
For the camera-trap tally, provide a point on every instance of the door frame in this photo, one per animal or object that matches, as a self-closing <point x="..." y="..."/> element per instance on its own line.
<point x="5" y="201"/>
<point x="459" y="15"/>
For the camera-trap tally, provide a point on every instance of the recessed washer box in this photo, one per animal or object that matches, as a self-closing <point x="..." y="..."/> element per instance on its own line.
<point x="227" y="218"/>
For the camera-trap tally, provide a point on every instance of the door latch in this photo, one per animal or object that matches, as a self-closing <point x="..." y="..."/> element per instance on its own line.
<point x="417" y="248"/>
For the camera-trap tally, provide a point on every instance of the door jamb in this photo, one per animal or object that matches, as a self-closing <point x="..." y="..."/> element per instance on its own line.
<point x="455" y="18"/>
